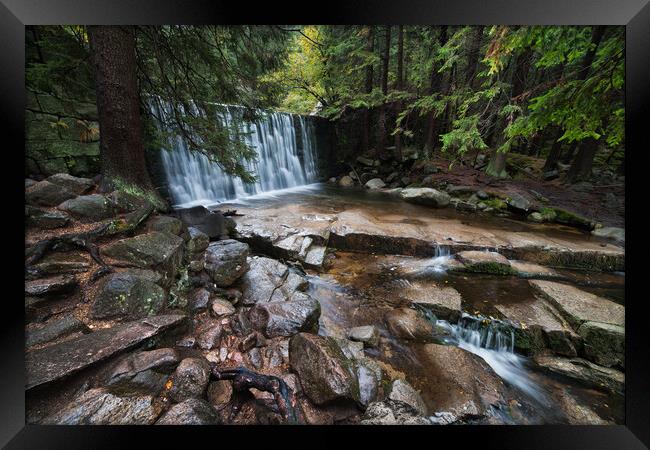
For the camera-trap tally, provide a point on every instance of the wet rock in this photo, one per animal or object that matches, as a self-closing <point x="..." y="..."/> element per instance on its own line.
<point x="255" y="358"/>
<point x="212" y="223"/>
<point x="525" y="269"/>
<point x="50" y="286"/>
<point x="220" y="393"/>
<point x="482" y="195"/>
<point x="536" y="217"/>
<point x="369" y="376"/>
<point x="45" y="193"/>
<point x="367" y="334"/>
<point x="193" y="411"/>
<point x="127" y="295"/>
<point x="325" y="373"/>
<point x="365" y="161"/>
<point x="103" y="406"/>
<point x="75" y="185"/>
<point x="222" y="308"/>
<point x="407" y="324"/>
<point x="269" y="280"/>
<point x="575" y="412"/>
<point x="225" y="261"/>
<point x="444" y="302"/>
<point x="190" y="379"/>
<point x="375" y="183"/>
<point x="401" y="391"/>
<point x="465" y="206"/>
<point x="604" y="343"/>
<point x="88" y="208"/>
<point x="286" y="318"/>
<point x="425" y="196"/>
<point x="460" y="190"/>
<point x="54" y="329"/>
<point x="346" y="181"/>
<point x="485" y="262"/>
<point x="392" y="413"/>
<point x="166" y="224"/>
<point x="45" y="219"/>
<point x="156" y="250"/>
<point x="198" y="241"/>
<point x="63" y="263"/>
<point x="62" y="359"/>
<point x="614" y="233"/>
<point x="351" y="349"/>
<point x="518" y="202"/>
<point x="200" y="300"/>
<point x="123" y="201"/>
<point x="210" y="336"/>
<point x="584" y="372"/>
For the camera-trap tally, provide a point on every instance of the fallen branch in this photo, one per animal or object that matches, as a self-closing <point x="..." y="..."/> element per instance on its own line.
<point x="244" y="379"/>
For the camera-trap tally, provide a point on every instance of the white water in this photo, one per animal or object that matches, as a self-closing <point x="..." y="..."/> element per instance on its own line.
<point x="194" y="180"/>
<point x="496" y="347"/>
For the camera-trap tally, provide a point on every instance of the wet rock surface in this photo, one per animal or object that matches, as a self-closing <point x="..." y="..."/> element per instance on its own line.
<point x="192" y="411"/>
<point x="286" y="318"/>
<point x="45" y="193"/>
<point x="127" y="295"/>
<point x="54" y="329"/>
<point x="88" y="208"/>
<point x="225" y="261"/>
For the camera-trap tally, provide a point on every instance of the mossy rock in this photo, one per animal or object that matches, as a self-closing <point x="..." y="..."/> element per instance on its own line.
<point x="572" y="219"/>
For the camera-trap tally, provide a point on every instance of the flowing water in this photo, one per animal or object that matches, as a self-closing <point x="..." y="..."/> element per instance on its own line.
<point x="285" y="147"/>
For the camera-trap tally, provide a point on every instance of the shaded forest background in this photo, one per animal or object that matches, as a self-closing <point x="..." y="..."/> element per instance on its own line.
<point x="422" y="92"/>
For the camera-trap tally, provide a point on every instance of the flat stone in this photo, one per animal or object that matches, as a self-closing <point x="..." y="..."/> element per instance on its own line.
<point x="617" y="234"/>
<point x="367" y="334"/>
<point x="154" y="250"/>
<point x="59" y="360"/>
<point x="485" y="262"/>
<point x="190" y="379"/>
<point x="222" y="307"/>
<point x="192" y="411"/>
<point x="325" y="373"/>
<point x="45" y="193"/>
<point x="103" y="406"/>
<point x="165" y="224"/>
<point x="54" y="329"/>
<point x="525" y="269"/>
<point x="584" y="372"/>
<point x="88" y="208"/>
<point x="63" y="263"/>
<point x="127" y="295"/>
<point x="604" y="343"/>
<point x="407" y="324"/>
<point x="425" y="196"/>
<point x="73" y="184"/>
<point x="579" y="306"/>
<point x="160" y="360"/>
<point x="286" y="318"/>
<point x="46" y="219"/>
<point x="444" y="302"/>
<point x="50" y="286"/>
<point x="401" y="391"/>
<point x="225" y="261"/>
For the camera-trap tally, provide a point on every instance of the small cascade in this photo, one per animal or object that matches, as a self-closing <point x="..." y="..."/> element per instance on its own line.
<point x="285" y="145"/>
<point x="494" y="341"/>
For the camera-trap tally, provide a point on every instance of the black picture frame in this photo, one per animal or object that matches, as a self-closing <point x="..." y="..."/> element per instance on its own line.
<point x="15" y="14"/>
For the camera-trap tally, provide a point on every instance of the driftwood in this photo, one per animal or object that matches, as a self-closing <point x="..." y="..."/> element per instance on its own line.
<point x="230" y="213"/>
<point x="244" y="379"/>
<point x="85" y="240"/>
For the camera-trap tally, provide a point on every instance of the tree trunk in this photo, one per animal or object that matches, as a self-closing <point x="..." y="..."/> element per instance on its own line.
<point x="381" y="128"/>
<point x="365" y="133"/>
<point x="400" y="86"/>
<point x="497" y="165"/>
<point x="436" y="81"/>
<point x="121" y="146"/>
<point x="473" y="53"/>
<point x="554" y="154"/>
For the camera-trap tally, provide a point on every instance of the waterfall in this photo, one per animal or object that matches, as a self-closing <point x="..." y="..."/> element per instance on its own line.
<point x="192" y="179"/>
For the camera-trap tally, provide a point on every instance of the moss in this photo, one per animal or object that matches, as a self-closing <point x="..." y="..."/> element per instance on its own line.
<point x="548" y="214"/>
<point x="568" y="218"/>
<point x="136" y="191"/>
<point x="491" y="268"/>
<point x="495" y="203"/>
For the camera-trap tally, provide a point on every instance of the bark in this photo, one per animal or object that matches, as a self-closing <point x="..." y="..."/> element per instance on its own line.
<point x="473" y="55"/>
<point x="436" y="82"/>
<point x="554" y="154"/>
<point x="112" y="51"/>
<point x="399" y="86"/>
<point x="365" y="134"/>
<point x="381" y="129"/>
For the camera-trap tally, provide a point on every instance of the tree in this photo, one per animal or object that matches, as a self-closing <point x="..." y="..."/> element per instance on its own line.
<point x="365" y="139"/>
<point x="399" y="86"/>
<point x="118" y="107"/>
<point x="385" y="59"/>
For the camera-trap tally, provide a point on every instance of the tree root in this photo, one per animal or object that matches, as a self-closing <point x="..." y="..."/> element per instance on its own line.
<point x="244" y="379"/>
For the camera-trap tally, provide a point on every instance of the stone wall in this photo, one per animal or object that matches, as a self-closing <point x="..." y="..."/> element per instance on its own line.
<point x="60" y="137"/>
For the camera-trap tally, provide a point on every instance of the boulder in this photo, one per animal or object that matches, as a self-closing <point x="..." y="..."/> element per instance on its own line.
<point x="105" y="406"/>
<point x="162" y="360"/>
<point x="123" y="201"/>
<point x="401" y="391"/>
<point x="50" y="286"/>
<point x="408" y="324"/>
<point x="190" y="379"/>
<point x="584" y="372"/>
<point x="325" y="373"/>
<point x="604" y="343"/>
<point x="197" y="242"/>
<point x="518" y="203"/>
<point x="45" y="193"/>
<point x="200" y="300"/>
<point x="75" y="185"/>
<point x="286" y="318"/>
<point x="425" y="196"/>
<point x="62" y="359"/>
<point x="156" y="250"/>
<point x="346" y="181"/>
<point x="389" y="412"/>
<point x="225" y="261"/>
<point x="375" y="183"/>
<point x="485" y="262"/>
<point x="88" y="208"/>
<point x="367" y="334"/>
<point x="220" y="393"/>
<point x="54" y="329"/>
<point x="212" y="223"/>
<point x="270" y="280"/>
<point x="45" y="219"/>
<point x="127" y="295"/>
<point x="193" y="411"/>
<point x="165" y="224"/>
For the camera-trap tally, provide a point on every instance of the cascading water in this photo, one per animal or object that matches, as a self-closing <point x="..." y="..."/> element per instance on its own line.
<point x="494" y="341"/>
<point x="192" y="179"/>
